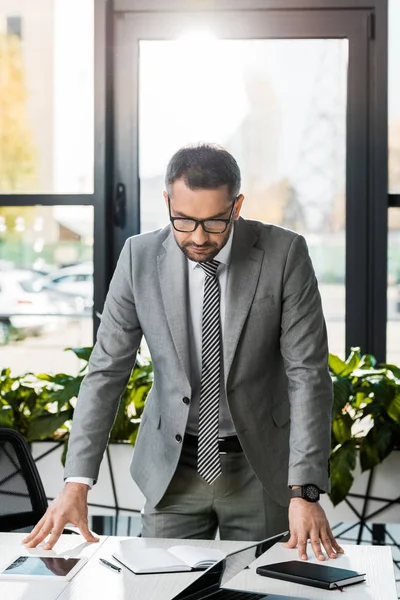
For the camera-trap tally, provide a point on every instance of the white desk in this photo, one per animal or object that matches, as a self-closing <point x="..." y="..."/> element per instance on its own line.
<point x="95" y="582"/>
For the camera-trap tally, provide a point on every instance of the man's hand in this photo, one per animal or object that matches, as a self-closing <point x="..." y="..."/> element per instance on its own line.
<point x="70" y="506"/>
<point x="307" y="520"/>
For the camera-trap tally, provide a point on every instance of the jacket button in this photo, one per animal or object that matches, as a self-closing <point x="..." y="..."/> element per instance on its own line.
<point x="178" y="438"/>
<point x="185" y="400"/>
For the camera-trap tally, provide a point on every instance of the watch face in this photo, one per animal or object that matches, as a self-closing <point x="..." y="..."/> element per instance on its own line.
<point x="311" y="493"/>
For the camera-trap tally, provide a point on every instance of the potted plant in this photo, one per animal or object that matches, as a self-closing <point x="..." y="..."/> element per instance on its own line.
<point x="365" y="429"/>
<point x="41" y="407"/>
<point x="365" y="434"/>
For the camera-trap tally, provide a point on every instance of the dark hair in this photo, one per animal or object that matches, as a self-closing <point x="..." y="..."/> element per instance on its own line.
<point x="204" y="166"/>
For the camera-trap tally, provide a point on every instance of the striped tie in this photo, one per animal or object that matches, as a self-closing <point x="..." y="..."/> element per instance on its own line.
<point x="208" y="459"/>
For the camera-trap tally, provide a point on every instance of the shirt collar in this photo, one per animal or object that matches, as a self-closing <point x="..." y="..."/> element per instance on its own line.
<point x="223" y="256"/>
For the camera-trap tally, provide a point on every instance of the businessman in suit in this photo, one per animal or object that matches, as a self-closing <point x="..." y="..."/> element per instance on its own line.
<point x="237" y="424"/>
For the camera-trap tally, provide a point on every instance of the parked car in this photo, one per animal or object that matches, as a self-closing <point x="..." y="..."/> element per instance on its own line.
<point x="23" y="311"/>
<point x="74" y="284"/>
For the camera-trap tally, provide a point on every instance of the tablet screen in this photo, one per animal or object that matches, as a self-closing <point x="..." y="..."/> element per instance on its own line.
<point x="39" y="565"/>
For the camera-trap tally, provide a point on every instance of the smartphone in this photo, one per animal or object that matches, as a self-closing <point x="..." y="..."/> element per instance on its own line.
<point x="58" y="568"/>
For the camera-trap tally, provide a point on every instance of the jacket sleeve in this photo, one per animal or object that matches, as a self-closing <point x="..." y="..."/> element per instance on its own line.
<point x="110" y="365"/>
<point x="304" y="349"/>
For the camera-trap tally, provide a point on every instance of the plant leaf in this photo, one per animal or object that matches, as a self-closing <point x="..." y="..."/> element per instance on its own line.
<point x="394" y="408"/>
<point x="354" y="358"/>
<point x="392" y="368"/>
<point x="69" y="391"/>
<point x="336" y="365"/>
<point x="44" y="426"/>
<point x="6" y="418"/>
<point x="385" y="441"/>
<point x="367" y="361"/>
<point x="343" y="462"/>
<point x="341" y="428"/>
<point x="369" y="453"/>
<point x="64" y="451"/>
<point x="83" y="353"/>
<point x="342" y="390"/>
<point x="359" y="399"/>
<point x="134" y="434"/>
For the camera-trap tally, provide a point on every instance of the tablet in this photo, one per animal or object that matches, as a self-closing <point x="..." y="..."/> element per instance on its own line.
<point x="43" y="567"/>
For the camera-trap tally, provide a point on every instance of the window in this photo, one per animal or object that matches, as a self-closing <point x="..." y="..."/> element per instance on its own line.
<point x="47" y="98"/>
<point x="290" y="146"/>
<point x="46" y="286"/>
<point x="46" y="182"/>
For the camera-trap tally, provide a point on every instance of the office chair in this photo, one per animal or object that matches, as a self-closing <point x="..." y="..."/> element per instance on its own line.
<point x="22" y="497"/>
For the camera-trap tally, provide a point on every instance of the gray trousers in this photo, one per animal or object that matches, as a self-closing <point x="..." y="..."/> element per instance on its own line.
<point x="236" y="504"/>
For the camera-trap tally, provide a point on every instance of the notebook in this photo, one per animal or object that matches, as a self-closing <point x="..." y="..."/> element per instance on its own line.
<point x="315" y="575"/>
<point x="161" y="560"/>
<point x="211" y="585"/>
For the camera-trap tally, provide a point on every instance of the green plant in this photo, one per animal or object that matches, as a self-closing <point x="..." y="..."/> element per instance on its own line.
<point x="365" y="418"/>
<point x="36" y="405"/>
<point x="42" y="406"/>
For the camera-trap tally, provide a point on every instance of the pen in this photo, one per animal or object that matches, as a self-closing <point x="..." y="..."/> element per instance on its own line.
<point x="110" y="565"/>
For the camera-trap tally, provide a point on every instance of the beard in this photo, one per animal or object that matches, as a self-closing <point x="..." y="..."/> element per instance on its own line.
<point x="205" y="252"/>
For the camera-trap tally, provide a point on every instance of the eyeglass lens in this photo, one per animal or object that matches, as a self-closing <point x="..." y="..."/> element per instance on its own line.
<point x="189" y="225"/>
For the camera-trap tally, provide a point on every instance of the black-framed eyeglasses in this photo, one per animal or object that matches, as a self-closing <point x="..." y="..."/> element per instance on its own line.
<point x="209" y="225"/>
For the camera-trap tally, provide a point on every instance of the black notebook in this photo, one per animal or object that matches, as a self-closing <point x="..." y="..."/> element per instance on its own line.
<point x="321" y="576"/>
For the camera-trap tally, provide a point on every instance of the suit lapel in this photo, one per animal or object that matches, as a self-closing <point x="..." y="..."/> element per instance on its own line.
<point x="172" y="273"/>
<point x="244" y="272"/>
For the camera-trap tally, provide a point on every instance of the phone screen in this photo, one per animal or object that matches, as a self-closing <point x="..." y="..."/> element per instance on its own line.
<point x="52" y="566"/>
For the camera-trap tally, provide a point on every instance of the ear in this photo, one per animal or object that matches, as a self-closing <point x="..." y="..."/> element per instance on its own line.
<point x="238" y="206"/>
<point x="166" y="199"/>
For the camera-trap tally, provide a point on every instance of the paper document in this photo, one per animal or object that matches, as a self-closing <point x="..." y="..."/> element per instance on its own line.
<point x="160" y="560"/>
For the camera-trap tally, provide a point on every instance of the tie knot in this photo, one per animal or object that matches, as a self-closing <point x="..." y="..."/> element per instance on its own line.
<point x="210" y="267"/>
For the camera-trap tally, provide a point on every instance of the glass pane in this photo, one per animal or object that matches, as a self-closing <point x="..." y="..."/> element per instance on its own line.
<point x="46" y="286"/>
<point x="280" y="107"/>
<point x="394" y="97"/>
<point x="393" y="308"/>
<point x="46" y="96"/>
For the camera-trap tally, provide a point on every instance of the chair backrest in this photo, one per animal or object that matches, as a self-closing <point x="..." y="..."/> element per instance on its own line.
<point x="22" y="497"/>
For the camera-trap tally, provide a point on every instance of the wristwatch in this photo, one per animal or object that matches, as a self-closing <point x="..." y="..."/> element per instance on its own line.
<point x="309" y="492"/>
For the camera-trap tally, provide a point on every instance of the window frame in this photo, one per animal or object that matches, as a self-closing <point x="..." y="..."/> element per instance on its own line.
<point x="366" y="294"/>
<point x="366" y="210"/>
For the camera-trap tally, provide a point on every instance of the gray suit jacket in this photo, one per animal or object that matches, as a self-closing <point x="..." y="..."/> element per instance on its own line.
<point x="275" y="361"/>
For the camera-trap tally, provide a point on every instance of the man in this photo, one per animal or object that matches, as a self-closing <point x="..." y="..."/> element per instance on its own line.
<point x="237" y="424"/>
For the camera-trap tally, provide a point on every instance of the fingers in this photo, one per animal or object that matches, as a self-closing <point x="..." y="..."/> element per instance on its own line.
<point x="34" y="531"/>
<point x="338" y="549"/>
<point x="300" y="542"/>
<point x="316" y="546"/>
<point x="55" y="535"/>
<point x="302" y="548"/>
<point x="42" y="530"/>
<point x="69" y="507"/>
<point x="292" y="541"/>
<point x="87" y="534"/>
<point x="327" y="544"/>
<point x="334" y="546"/>
<point x="39" y="533"/>
<point x="327" y="539"/>
<point x="59" y="528"/>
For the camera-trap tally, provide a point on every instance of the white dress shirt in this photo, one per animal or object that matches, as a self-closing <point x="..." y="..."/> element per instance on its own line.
<point x="196" y="277"/>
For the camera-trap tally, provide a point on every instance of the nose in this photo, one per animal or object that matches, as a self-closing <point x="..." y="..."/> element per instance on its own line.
<point x="199" y="236"/>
